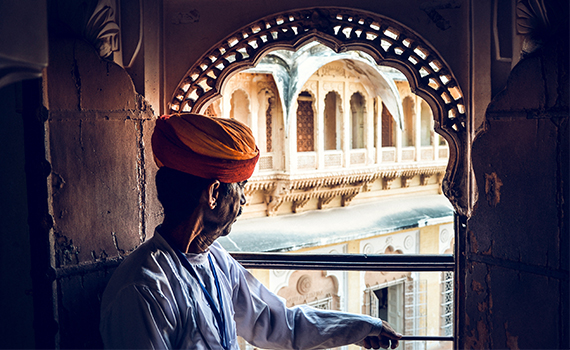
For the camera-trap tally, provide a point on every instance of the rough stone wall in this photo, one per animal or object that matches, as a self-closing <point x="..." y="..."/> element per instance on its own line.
<point x="516" y="244"/>
<point x="101" y="183"/>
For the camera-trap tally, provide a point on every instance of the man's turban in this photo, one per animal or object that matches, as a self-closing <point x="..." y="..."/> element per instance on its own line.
<point x="211" y="148"/>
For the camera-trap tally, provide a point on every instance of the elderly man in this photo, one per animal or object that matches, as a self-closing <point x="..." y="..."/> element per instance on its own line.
<point x="181" y="289"/>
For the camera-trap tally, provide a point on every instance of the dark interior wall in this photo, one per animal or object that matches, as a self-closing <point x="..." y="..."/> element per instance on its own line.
<point x="101" y="181"/>
<point x="517" y="243"/>
<point x="15" y="274"/>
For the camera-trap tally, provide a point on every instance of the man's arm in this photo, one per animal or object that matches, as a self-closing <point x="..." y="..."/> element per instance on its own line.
<point x="263" y="319"/>
<point x="388" y="339"/>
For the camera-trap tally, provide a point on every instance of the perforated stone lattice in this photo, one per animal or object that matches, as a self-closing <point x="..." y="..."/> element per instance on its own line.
<point x="341" y="29"/>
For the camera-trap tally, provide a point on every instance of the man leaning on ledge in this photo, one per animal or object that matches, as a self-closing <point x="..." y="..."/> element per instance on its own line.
<point x="181" y="289"/>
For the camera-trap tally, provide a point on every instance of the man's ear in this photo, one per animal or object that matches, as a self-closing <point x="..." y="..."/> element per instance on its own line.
<point x="213" y="193"/>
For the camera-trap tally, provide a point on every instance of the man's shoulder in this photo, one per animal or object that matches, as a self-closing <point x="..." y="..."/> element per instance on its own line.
<point x="220" y="253"/>
<point x="147" y="265"/>
<point x="224" y="259"/>
<point x="145" y="253"/>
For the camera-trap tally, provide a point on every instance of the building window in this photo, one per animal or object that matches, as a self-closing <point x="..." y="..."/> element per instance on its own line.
<point x="332" y="121"/>
<point x="388" y="128"/>
<point x="305" y="123"/>
<point x="358" y="116"/>
<point x="387" y="303"/>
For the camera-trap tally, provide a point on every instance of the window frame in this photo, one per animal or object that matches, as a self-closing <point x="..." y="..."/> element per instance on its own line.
<point x="366" y="262"/>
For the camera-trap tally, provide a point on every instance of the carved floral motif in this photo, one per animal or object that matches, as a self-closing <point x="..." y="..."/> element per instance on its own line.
<point x="102" y="29"/>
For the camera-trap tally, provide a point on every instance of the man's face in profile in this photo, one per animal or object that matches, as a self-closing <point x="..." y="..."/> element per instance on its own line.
<point x="218" y="222"/>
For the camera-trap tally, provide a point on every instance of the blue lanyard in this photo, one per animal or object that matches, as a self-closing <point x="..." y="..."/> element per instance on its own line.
<point x="218" y="315"/>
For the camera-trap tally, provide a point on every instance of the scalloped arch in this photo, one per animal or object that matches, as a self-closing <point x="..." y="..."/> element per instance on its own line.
<point x="341" y="29"/>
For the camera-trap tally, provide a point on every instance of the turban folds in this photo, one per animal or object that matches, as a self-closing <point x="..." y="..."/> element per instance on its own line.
<point x="211" y="148"/>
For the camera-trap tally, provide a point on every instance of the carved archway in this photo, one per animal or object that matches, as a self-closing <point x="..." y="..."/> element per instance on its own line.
<point x="385" y="40"/>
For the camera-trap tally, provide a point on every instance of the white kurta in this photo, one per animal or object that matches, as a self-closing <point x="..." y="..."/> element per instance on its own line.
<point x="152" y="301"/>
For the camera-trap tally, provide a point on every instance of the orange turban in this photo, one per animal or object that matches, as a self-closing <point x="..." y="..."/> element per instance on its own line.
<point x="211" y="148"/>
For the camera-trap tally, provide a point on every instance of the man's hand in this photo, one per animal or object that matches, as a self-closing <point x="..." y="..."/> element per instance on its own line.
<point x="388" y="339"/>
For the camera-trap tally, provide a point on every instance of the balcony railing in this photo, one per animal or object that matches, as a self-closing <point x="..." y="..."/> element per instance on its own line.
<point x="333" y="159"/>
<point x="358" y="157"/>
<point x="306" y="160"/>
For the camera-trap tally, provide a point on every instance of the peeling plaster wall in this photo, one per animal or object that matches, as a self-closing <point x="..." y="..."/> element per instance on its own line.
<point x="101" y="182"/>
<point x="516" y="249"/>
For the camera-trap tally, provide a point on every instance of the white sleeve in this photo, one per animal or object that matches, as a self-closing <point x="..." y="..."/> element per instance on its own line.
<point x="138" y="318"/>
<point x="263" y="319"/>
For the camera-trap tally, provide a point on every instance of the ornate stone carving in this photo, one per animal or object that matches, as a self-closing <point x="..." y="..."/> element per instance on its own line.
<point x="382" y="38"/>
<point x="387" y="182"/>
<point x="409" y="242"/>
<point x="298" y="205"/>
<point x="406" y="180"/>
<point x="268" y="86"/>
<point x="274" y="193"/>
<point x="102" y="29"/>
<point x="346" y="185"/>
<point x="304" y="284"/>
<point x="332" y="70"/>
<point x="537" y="21"/>
<point x="445" y="236"/>
<point x="330" y="86"/>
<point x="324" y="200"/>
<point x="424" y="179"/>
<point x="346" y="198"/>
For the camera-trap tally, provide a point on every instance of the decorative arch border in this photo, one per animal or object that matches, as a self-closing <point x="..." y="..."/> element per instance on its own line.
<point x="385" y="40"/>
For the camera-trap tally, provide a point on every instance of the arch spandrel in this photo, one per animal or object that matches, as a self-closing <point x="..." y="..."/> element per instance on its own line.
<point x="387" y="41"/>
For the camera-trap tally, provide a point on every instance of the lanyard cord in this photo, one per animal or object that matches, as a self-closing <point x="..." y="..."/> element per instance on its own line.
<point x="218" y="315"/>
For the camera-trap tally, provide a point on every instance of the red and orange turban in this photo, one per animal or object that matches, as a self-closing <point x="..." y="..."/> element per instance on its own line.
<point x="212" y="148"/>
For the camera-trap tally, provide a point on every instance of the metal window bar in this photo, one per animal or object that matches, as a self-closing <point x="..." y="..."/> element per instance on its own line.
<point x="346" y="262"/>
<point x="352" y="262"/>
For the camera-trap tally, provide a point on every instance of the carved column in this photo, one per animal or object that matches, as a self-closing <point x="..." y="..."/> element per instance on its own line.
<point x="261" y="117"/>
<point x="320" y="125"/>
<point x="399" y="144"/>
<point x="417" y="128"/>
<point x="434" y="136"/>
<point x="369" y="120"/>
<point x="378" y="118"/>
<point x="346" y="120"/>
<point x="291" y="138"/>
<point x="254" y="105"/>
